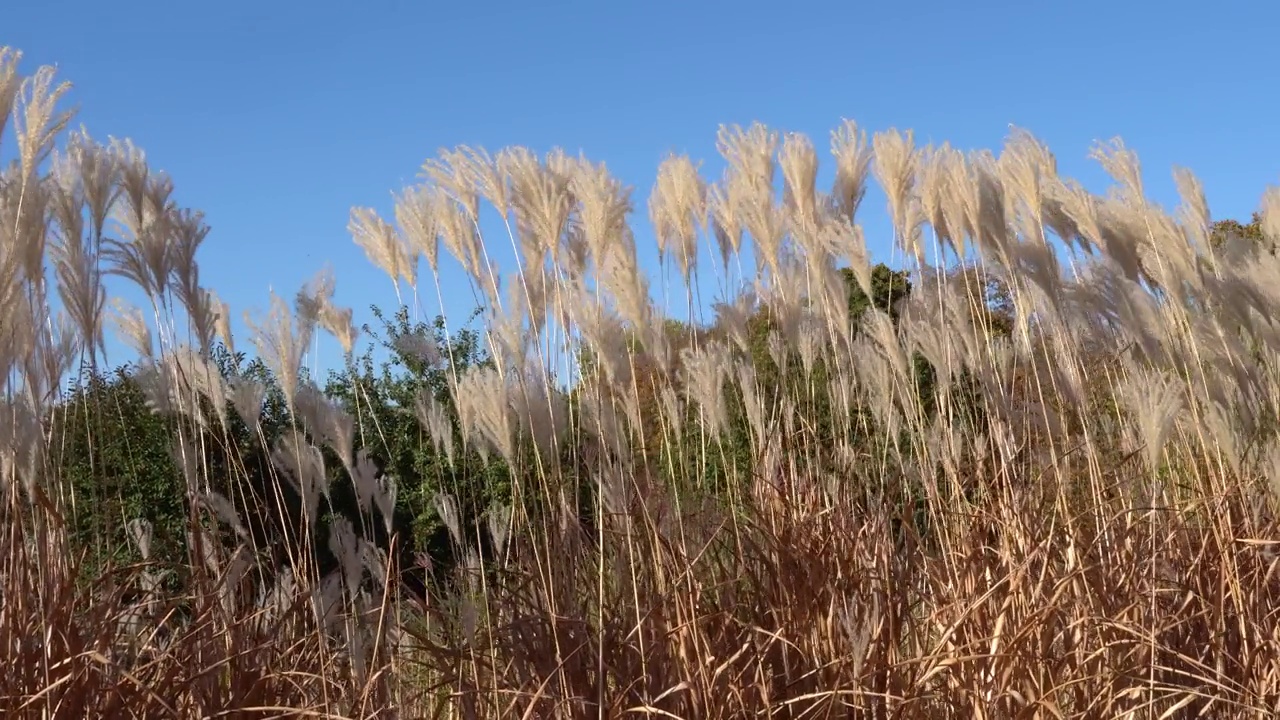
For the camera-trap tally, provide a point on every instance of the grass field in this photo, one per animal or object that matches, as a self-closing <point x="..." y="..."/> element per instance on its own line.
<point x="1042" y="483"/>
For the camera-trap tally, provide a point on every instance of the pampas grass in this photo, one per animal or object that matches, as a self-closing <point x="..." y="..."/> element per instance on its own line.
<point x="1059" y="505"/>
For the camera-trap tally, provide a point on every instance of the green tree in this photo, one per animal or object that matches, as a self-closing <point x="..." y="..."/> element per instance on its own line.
<point x="380" y="389"/>
<point x="113" y="454"/>
<point x="1221" y="230"/>
<point x="888" y="287"/>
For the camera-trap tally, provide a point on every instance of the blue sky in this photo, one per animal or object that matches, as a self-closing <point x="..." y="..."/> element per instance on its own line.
<point x="276" y="117"/>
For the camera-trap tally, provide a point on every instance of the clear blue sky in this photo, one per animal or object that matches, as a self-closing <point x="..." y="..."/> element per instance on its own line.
<point x="276" y="117"/>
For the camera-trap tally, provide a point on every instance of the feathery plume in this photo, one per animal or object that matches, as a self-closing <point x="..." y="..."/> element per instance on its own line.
<point x="418" y="346"/>
<point x="431" y="413"/>
<point x="1194" y="210"/>
<point x="749" y="385"/>
<point x="187" y="232"/>
<point x="374" y="560"/>
<point x="462" y="239"/>
<point x="383" y="245"/>
<point x="203" y="315"/>
<point x="343" y="545"/>
<point x="605" y="424"/>
<point x="314" y="306"/>
<point x="447" y="508"/>
<point x="221" y="508"/>
<point x="541" y="412"/>
<point x="750" y="154"/>
<point x="704" y="375"/>
<point x="1269" y="213"/>
<point x="328" y="422"/>
<point x="21" y="447"/>
<point x="247" y="396"/>
<point x="895" y="168"/>
<point x="76" y="268"/>
<point x="1122" y="165"/>
<point x="146" y="254"/>
<point x="385" y="499"/>
<point x="364" y="477"/>
<point x="733" y="318"/>
<point x="799" y="163"/>
<point x="10" y="82"/>
<point x="280" y="347"/>
<point x="303" y="465"/>
<point x="677" y="206"/>
<point x="1027" y="166"/>
<point x="36" y="121"/>
<point x="936" y="175"/>
<point x="488" y="176"/>
<point x="499" y="525"/>
<point x="1155" y="399"/>
<point x="140" y="532"/>
<point x="416" y="210"/>
<point x="221" y="320"/>
<point x="484" y="413"/>
<point x="543" y="204"/>
<point x="132" y="325"/>
<point x="853" y="165"/>
<point x="456" y="172"/>
<point x="312" y="298"/>
<point x="723" y="200"/>
<point x="174" y="384"/>
<point x="98" y="173"/>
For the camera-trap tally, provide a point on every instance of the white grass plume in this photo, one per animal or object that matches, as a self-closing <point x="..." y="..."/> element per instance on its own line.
<point x="484" y="412"/>
<point x="1269" y="212"/>
<point x="677" y="206"/>
<point x="1154" y="399"/>
<point x="799" y="163"/>
<point x="36" y="119"/>
<point x="383" y="245"/>
<point x="853" y="167"/>
<point x="247" y="396"/>
<point x="303" y="464"/>
<point x="280" y="346"/>
<point x="10" y="82"/>
<point x="175" y="383"/>
<point x="435" y="420"/>
<point x="327" y="422"/>
<point x="895" y="164"/>
<point x="416" y="212"/>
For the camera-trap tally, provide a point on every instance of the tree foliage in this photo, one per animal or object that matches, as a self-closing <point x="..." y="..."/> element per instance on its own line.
<point x="1223" y="230"/>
